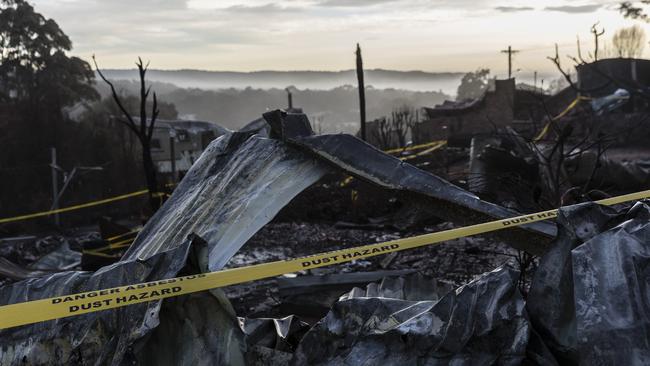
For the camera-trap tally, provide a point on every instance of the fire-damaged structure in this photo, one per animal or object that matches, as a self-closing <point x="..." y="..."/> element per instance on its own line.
<point x="464" y="119"/>
<point x="603" y="77"/>
<point x="242" y="180"/>
<point x="177" y="144"/>
<point x="623" y="82"/>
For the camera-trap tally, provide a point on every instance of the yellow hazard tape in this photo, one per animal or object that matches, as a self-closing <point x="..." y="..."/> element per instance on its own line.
<point x="433" y="148"/>
<point x="98" y="253"/>
<point x="113" y="245"/>
<point x="346" y="181"/>
<point x="121" y="244"/>
<point x="76" y="304"/>
<point x="566" y="110"/>
<point x="164" y="194"/>
<point x="416" y="147"/>
<point x="80" y="206"/>
<point x="134" y="231"/>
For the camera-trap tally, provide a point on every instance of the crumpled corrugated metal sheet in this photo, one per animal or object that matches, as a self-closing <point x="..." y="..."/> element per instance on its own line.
<point x="447" y="200"/>
<point x="236" y="187"/>
<point x="96" y="338"/>
<point x="272" y="341"/>
<point x="45" y="256"/>
<point x="280" y="334"/>
<point x="60" y="259"/>
<point x="482" y="323"/>
<point x="412" y="287"/>
<point x="589" y="297"/>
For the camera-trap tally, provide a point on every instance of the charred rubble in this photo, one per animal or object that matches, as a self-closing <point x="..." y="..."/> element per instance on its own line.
<point x="242" y="203"/>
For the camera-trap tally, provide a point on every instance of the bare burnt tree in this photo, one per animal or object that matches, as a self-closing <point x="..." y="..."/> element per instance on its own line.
<point x="565" y="144"/>
<point x="579" y="60"/>
<point x="382" y="133"/>
<point x="402" y="121"/>
<point x="629" y="42"/>
<point x="567" y="138"/>
<point x="143" y="128"/>
<point x="597" y="34"/>
<point x="572" y="142"/>
<point x="393" y="131"/>
<point x="633" y="88"/>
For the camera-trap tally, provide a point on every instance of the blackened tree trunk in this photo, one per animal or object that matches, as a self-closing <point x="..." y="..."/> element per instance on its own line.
<point x="143" y="130"/>
<point x="150" y="175"/>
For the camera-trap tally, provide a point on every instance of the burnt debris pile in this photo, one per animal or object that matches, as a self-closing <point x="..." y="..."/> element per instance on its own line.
<point x="571" y="293"/>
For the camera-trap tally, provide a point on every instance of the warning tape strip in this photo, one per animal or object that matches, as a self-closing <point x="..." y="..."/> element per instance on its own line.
<point x="80" y="206"/>
<point x="163" y="194"/>
<point x="121" y="244"/>
<point x="76" y="207"/>
<point x="132" y="232"/>
<point x="113" y="244"/>
<point x="416" y="147"/>
<point x="424" y="152"/>
<point x="87" y="302"/>
<point x="566" y="110"/>
<point x="100" y="251"/>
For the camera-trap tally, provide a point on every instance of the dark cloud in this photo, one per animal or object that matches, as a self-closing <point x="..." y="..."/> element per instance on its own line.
<point x="353" y="3"/>
<point x="575" y="9"/>
<point x="513" y="9"/>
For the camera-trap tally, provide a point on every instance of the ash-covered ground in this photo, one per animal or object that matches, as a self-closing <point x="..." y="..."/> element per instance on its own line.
<point x="456" y="261"/>
<point x="326" y="217"/>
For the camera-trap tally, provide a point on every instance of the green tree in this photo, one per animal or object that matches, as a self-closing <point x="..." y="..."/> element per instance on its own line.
<point x="37" y="79"/>
<point x="34" y="65"/>
<point x="473" y="84"/>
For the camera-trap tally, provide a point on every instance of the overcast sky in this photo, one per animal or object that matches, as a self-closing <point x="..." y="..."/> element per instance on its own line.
<point x="430" y="35"/>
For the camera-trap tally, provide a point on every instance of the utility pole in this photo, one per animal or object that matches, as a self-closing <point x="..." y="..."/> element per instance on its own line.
<point x="67" y="178"/>
<point x="55" y="186"/>
<point x="535" y="81"/>
<point x="362" y="93"/>
<point x="510" y="52"/>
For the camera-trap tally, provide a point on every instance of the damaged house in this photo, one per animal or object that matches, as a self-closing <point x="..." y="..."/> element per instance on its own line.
<point x="177" y="144"/>
<point x="613" y="89"/>
<point x="457" y="122"/>
<point x="503" y="104"/>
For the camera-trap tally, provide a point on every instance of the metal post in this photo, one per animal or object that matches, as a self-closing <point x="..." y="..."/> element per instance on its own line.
<point x="289" y="99"/>
<point x="362" y="93"/>
<point x="55" y="186"/>
<point x="510" y="52"/>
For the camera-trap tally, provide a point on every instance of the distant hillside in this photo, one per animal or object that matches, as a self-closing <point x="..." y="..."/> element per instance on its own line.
<point x="333" y="110"/>
<point x="320" y="80"/>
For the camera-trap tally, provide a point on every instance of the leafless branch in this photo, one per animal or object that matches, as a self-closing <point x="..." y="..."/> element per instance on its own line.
<point x="129" y="120"/>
